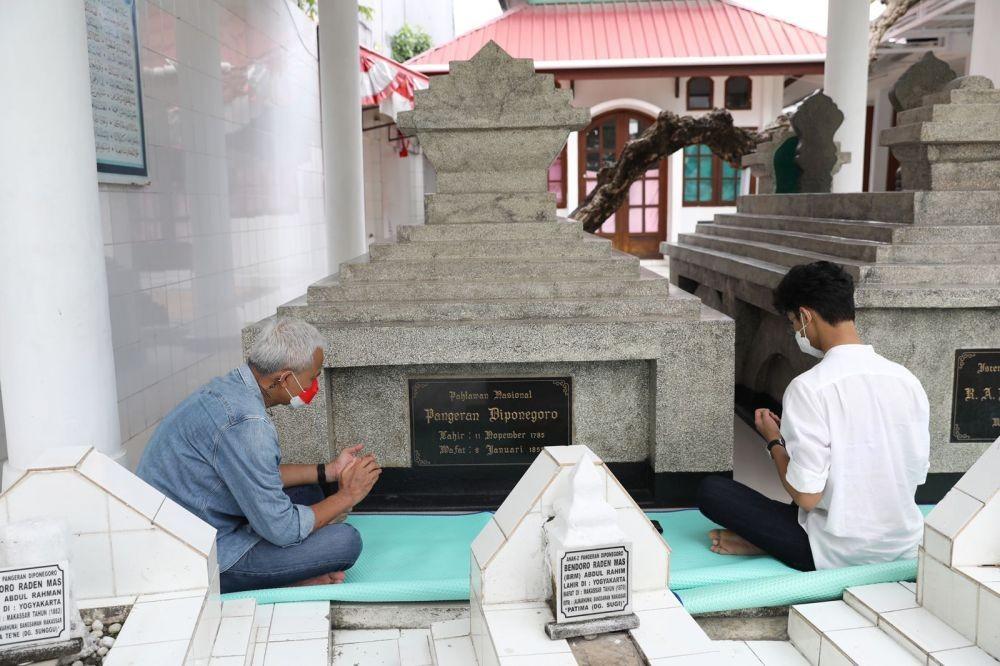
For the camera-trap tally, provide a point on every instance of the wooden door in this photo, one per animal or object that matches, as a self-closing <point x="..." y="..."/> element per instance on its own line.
<point x="640" y="223"/>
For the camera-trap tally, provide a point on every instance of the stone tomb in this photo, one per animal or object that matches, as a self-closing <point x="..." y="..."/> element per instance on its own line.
<point x="591" y="348"/>
<point x="568" y="506"/>
<point x="926" y="266"/>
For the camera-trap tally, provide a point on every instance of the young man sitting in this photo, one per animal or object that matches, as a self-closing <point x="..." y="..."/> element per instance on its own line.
<point x="851" y="447"/>
<point x="216" y="454"/>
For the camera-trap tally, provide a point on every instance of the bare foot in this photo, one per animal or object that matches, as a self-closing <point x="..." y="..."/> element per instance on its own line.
<point x="727" y="542"/>
<point x="323" y="579"/>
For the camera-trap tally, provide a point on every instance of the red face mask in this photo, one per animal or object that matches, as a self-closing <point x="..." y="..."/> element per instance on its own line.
<point x="306" y="395"/>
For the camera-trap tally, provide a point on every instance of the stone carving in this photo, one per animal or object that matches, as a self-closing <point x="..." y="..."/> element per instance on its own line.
<point x="928" y="75"/>
<point x="815" y="123"/>
<point x="951" y="141"/>
<point x="491" y="128"/>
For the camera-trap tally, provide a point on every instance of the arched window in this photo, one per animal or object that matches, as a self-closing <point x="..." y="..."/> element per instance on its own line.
<point x="699" y="93"/>
<point x="738" y="92"/>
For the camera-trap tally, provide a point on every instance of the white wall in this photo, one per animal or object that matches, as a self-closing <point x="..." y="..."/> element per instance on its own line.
<point x="658" y="94"/>
<point x="232" y="223"/>
<point x="394" y="185"/>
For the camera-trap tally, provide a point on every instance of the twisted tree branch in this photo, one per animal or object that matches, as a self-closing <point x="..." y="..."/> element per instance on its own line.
<point x="667" y="135"/>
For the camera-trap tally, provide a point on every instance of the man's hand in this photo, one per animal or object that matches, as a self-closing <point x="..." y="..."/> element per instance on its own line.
<point x="768" y="424"/>
<point x="336" y="467"/>
<point x="357" y="479"/>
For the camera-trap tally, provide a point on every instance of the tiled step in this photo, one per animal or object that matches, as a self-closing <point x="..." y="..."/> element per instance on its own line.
<point x="918" y="208"/>
<point x="832" y="633"/>
<point x="491" y="250"/>
<point x="362" y="270"/>
<point x="236" y="638"/>
<point x="491" y="231"/>
<point x="500" y="309"/>
<point x="646" y="284"/>
<point x="296" y="634"/>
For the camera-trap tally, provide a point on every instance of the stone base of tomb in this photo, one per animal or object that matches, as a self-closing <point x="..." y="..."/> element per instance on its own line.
<point x="604" y="625"/>
<point x="925" y="266"/>
<point x="650" y="366"/>
<point x="31" y="654"/>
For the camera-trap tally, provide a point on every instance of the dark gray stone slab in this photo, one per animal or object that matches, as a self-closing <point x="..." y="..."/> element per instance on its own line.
<point x="815" y="123"/>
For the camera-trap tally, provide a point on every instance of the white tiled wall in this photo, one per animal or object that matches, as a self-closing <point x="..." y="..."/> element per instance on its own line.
<point x="231" y="224"/>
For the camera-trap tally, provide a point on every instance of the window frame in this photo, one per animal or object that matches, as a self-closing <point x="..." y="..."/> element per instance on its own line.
<point x="562" y="197"/>
<point x="711" y="93"/>
<point x="725" y="93"/>
<point x="716" y="179"/>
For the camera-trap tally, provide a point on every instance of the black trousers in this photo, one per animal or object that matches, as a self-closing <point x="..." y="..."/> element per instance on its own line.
<point x="768" y="524"/>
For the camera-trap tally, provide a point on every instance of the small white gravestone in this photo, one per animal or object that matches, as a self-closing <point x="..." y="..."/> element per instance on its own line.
<point x="590" y="559"/>
<point x="37" y="605"/>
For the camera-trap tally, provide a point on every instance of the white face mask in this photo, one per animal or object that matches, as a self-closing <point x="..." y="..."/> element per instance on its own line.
<point x="804" y="346"/>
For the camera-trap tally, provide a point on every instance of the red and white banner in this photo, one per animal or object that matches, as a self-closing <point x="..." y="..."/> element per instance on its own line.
<point x="387" y="84"/>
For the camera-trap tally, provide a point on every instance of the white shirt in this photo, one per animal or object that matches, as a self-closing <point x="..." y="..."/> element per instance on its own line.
<point x="856" y="428"/>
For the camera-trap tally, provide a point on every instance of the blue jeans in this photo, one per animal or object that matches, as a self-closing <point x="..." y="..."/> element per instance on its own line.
<point x="334" y="547"/>
<point x="768" y="524"/>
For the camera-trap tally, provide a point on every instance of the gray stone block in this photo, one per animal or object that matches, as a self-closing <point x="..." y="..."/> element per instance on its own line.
<point x="490" y="231"/>
<point x="479" y="270"/>
<point x="533" y="248"/>
<point x="602" y="625"/>
<point x="445" y="208"/>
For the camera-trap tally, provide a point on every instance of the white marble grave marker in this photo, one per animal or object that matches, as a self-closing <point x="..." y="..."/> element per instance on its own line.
<point x="590" y="558"/>
<point x="33" y="604"/>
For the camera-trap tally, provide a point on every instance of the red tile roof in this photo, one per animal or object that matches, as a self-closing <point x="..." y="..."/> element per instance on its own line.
<point x="634" y="33"/>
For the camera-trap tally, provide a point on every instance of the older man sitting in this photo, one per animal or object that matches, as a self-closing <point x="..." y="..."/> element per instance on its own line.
<point x="216" y="454"/>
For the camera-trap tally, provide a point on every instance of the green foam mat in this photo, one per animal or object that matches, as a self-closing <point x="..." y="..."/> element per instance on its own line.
<point x="426" y="558"/>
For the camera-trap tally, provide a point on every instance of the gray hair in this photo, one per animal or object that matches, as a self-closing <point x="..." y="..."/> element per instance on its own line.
<point x="283" y="343"/>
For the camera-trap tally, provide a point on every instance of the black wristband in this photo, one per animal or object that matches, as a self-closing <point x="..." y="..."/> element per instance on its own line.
<point x="321" y="474"/>
<point x="775" y="442"/>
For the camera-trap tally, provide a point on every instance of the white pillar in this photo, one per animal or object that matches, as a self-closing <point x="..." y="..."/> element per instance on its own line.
<point x="340" y="100"/>
<point x="56" y="361"/>
<point x="572" y="171"/>
<point x="985" y="56"/>
<point x="845" y="80"/>
<point x="881" y="119"/>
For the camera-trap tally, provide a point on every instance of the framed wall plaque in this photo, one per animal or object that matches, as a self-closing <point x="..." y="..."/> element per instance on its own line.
<point x="488" y="421"/>
<point x="975" y="404"/>
<point x="116" y="91"/>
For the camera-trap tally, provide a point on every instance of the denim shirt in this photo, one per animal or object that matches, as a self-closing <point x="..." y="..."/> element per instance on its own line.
<point x="216" y="454"/>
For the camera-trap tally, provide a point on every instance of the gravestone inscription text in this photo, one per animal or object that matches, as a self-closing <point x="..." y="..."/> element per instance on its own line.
<point x="975" y="415"/>
<point x="593" y="582"/>
<point x="32" y="603"/>
<point x="488" y="421"/>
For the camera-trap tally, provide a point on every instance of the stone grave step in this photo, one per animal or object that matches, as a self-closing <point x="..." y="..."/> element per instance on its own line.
<point x="859" y="250"/>
<point x="740" y="267"/>
<point x="491" y="249"/>
<point x="856" y="229"/>
<point x="496" y="309"/>
<point x="617" y="265"/>
<point x="862" y="250"/>
<point x="646" y="284"/>
<point x="932" y="274"/>
<point x="954" y="113"/>
<point x="491" y="231"/>
<point x="973" y="207"/>
<point x="767" y="252"/>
